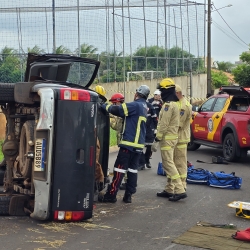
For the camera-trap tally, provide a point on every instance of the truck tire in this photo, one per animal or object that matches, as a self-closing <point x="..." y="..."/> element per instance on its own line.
<point x="4" y="204"/>
<point x="1" y="177"/>
<point x="230" y="148"/>
<point x="192" y="146"/>
<point x="27" y="134"/>
<point x="7" y="92"/>
<point x="2" y="164"/>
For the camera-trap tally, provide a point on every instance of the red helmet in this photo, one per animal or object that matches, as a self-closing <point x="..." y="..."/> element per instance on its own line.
<point x="117" y="97"/>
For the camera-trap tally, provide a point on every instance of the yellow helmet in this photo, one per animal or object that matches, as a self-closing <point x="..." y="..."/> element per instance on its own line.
<point x="167" y="83"/>
<point x="100" y="90"/>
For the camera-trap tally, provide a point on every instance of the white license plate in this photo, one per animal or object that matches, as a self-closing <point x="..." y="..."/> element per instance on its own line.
<point x="40" y="155"/>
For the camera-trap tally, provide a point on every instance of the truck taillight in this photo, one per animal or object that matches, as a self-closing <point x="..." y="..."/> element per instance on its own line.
<point x="68" y="215"/>
<point x="68" y="94"/>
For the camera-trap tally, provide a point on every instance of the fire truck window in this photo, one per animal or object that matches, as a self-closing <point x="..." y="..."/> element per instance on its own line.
<point x="207" y="106"/>
<point x="219" y="104"/>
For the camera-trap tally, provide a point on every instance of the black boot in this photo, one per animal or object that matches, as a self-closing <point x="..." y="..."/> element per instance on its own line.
<point x="164" y="194"/>
<point x="106" y="198"/>
<point x="148" y="165"/>
<point x="123" y="186"/>
<point x="177" y="197"/>
<point x="127" y="198"/>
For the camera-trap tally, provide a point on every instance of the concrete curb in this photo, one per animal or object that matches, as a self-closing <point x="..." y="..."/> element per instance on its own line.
<point x="113" y="149"/>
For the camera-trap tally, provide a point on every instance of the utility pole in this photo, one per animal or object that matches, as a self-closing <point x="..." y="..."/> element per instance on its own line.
<point x="54" y="29"/>
<point x="209" y="88"/>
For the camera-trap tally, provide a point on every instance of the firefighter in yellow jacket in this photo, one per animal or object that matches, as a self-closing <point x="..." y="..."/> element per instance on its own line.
<point x="167" y="135"/>
<point x="180" y="151"/>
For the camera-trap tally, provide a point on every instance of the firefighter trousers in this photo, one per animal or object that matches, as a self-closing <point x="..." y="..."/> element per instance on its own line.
<point x="126" y="161"/>
<point x="180" y="160"/>
<point x="174" y="184"/>
<point x="145" y="157"/>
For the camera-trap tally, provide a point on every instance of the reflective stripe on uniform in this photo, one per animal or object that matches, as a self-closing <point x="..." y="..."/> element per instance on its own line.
<point x="183" y="175"/>
<point x="174" y="177"/>
<point x="125" y="109"/>
<point x="132" y="170"/>
<point x="138" y="129"/>
<point x="171" y="137"/>
<point x="182" y="146"/>
<point x="166" y="148"/>
<point x="132" y="144"/>
<point x="107" y="107"/>
<point x="120" y="170"/>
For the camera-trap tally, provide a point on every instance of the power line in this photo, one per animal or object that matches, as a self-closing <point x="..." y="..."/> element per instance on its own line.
<point x="226" y="33"/>
<point x="229" y="26"/>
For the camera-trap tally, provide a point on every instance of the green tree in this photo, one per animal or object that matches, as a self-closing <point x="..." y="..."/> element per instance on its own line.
<point x="218" y="79"/>
<point x="86" y="50"/>
<point x="242" y="72"/>
<point x="177" y="62"/>
<point x="62" y="50"/>
<point x="36" y="50"/>
<point x="10" y="65"/>
<point x="7" y="52"/>
<point x="225" y="66"/>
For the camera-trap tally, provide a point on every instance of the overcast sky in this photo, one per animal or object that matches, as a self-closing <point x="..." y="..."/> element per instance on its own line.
<point x="226" y="46"/>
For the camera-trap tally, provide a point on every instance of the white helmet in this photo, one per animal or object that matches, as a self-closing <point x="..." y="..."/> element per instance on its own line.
<point x="157" y="92"/>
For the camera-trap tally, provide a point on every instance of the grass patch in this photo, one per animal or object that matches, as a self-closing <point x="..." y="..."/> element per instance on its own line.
<point x="112" y="140"/>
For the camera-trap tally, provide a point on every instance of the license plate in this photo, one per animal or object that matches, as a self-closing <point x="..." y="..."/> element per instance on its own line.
<point x="40" y="155"/>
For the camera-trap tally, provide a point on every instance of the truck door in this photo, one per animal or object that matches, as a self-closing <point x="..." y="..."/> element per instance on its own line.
<point x="219" y="109"/>
<point x="200" y="123"/>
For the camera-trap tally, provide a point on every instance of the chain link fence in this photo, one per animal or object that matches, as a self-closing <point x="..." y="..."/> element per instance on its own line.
<point x="134" y="40"/>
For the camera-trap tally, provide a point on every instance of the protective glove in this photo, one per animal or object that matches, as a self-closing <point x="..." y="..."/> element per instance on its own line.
<point x="154" y="146"/>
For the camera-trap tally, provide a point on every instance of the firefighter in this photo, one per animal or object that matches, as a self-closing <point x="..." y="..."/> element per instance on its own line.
<point x="100" y="90"/>
<point x="116" y="122"/>
<point x="151" y="126"/>
<point x="156" y="101"/>
<point x="131" y="144"/>
<point x="180" y="151"/>
<point x="152" y="121"/>
<point x="167" y="135"/>
<point x="99" y="176"/>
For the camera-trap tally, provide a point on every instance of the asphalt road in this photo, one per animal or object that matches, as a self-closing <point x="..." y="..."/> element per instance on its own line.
<point x="148" y="223"/>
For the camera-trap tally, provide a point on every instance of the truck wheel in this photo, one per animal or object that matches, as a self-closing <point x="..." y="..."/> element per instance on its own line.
<point x="2" y="164"/>
<point x="7" y="92"/>
<point x="229" y="148"/>
<point x="4" y="204"/>
<point x="27" y="134"/>
<point x="1" y="177"/>
<point x="192" y="146"/>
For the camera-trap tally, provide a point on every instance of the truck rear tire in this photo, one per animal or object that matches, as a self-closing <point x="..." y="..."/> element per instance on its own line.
<point x="229" y="148"/>
<point x="1" y="177"/>
<point x="2" y="164"/>
<point x="27" y="134"/>
<point x="4" y="204"/>
<point x="192" y="146"/>
<point x="7" y="92"/>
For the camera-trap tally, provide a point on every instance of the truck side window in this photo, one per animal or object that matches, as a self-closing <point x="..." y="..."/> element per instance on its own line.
<point x="207" y="106"/>
<point x="219" y="104"/>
